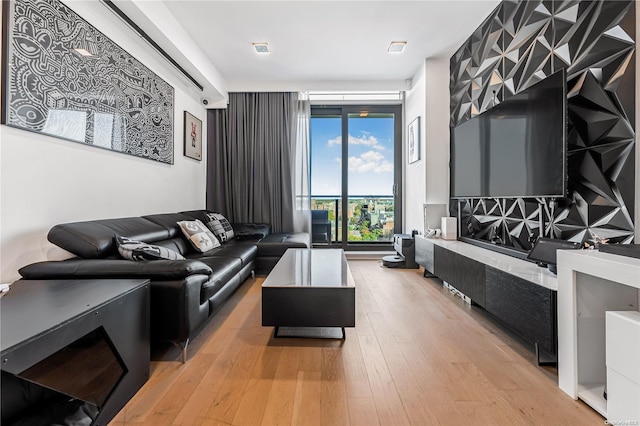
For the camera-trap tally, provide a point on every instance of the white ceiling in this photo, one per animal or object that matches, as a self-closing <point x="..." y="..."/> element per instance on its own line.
<point x="325" y="45"/>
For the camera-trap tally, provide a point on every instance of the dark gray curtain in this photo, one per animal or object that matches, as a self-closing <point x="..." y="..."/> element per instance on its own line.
<point x="217" y="179"/>
<point x="250" y="159"/>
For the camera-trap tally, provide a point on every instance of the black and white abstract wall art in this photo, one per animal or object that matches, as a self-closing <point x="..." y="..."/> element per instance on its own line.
<point x="523" y="42"/>
<point x="64" y="78"/>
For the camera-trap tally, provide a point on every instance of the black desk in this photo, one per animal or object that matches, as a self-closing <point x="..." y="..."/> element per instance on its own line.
<point x="88" y="339"/>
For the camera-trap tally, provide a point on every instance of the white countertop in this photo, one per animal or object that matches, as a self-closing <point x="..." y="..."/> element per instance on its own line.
<point x="613" y="267"/>
<point x="521" y="268"/>
<point x="590" y="284"/>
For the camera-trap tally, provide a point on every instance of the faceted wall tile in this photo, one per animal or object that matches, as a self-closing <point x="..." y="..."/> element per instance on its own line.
<point x="523" y="42"/>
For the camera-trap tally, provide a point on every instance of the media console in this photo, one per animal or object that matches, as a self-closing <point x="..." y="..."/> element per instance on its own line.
<point x="520" y="294"/>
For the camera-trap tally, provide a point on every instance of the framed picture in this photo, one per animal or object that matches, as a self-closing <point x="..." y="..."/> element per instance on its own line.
<point x="192" y="137"/>
<point x="64" y="78"/>
<point x="413" y="141"/>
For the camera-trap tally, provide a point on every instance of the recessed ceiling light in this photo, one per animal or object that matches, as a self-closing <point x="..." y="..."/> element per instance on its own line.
<point x="396" y="46"/>
<point x="261" y="47"/>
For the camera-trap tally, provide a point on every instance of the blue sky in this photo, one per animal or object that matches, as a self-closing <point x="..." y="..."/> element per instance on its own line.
<point x="370" y="156"/>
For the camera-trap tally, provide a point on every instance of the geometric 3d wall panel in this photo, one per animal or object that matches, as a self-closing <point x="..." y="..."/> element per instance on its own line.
<point x="523" y="42"/>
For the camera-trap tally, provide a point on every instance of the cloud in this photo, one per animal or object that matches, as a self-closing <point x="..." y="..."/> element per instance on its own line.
<point x="370" y="141"/>
<point x="370" y="161"/>
<point x="366" y="139"/>
<point x="335" y="141"/>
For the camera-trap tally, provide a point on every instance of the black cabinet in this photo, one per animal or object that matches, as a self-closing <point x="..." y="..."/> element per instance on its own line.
<point x="73" y="348"/>
<point x="424" y="253"/>
<point x="526" y="308"/>
<point x="461" y="272"/>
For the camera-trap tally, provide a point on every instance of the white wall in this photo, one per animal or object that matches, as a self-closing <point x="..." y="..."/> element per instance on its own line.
<point x="427" y="181"/>
<point x="437" y="126"/>
<point x="45" y="181"/>
<point x="414" y="176"/>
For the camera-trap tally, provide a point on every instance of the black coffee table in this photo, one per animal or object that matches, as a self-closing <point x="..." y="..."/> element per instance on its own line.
<point x="309" y="288"/>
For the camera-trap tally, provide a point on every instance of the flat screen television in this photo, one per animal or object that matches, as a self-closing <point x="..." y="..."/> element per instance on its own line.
<point x="515" y="149"/>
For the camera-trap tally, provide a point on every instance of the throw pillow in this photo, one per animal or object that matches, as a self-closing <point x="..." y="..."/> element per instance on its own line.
<point x="138" y="250"/>
<point x="220" y="226"/>
<point x="198" y="235"/>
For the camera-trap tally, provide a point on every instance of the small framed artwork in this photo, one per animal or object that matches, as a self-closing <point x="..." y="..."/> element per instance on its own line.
<point x="413" y="141"/>
<point x="192" y="137"/>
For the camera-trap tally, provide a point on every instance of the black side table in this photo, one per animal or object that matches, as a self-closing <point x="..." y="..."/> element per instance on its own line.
<point x="87" y="340"/>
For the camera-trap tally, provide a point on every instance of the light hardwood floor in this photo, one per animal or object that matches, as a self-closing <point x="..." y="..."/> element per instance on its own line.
<point x="418" y="356"/>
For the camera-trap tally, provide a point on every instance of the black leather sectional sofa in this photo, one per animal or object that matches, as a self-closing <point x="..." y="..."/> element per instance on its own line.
<point x="185" y="294"/>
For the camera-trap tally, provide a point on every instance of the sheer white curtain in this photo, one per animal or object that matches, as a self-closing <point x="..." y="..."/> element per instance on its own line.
<point x="301" y="169"/>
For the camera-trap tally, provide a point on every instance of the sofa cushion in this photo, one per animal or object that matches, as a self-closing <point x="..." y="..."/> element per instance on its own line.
<point x="277" y="244"/>
<point x="197" y="214"/>
<point x="198" y="235"/>
<point x="138" y="250"/>
<point x="220" y="227"/>
<point x="96" y="238"/>
<point x="246" y="252"/>
<point x="178" y="244"/>
<point x="224" y="269"/>
<point x="250" y="231"/>
<point x="169" y="221"/>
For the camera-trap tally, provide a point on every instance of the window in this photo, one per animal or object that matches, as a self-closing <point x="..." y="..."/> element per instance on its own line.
<point x="357" y="183"/>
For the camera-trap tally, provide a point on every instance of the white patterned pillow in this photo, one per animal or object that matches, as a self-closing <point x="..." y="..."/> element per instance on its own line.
<point x="138" y="250"/>
<point x="220" y="227"/>
<point x="198" y="235"/>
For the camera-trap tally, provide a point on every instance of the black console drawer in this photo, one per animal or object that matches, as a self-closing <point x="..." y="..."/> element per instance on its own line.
<point x="526" y="308"/>
<point x="463" y="273"/>
<point x="424" y="253"/>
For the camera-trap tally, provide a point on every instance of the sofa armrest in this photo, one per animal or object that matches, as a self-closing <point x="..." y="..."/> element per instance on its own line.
<point x="176" y="311"/>
<point x="115" y="268"/>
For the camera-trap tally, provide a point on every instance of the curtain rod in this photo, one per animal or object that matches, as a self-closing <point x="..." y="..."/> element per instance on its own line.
<point x="115" y="9"/>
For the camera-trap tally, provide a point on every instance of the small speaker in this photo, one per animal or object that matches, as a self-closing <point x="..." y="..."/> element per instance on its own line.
<point x="449" y="226"/>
